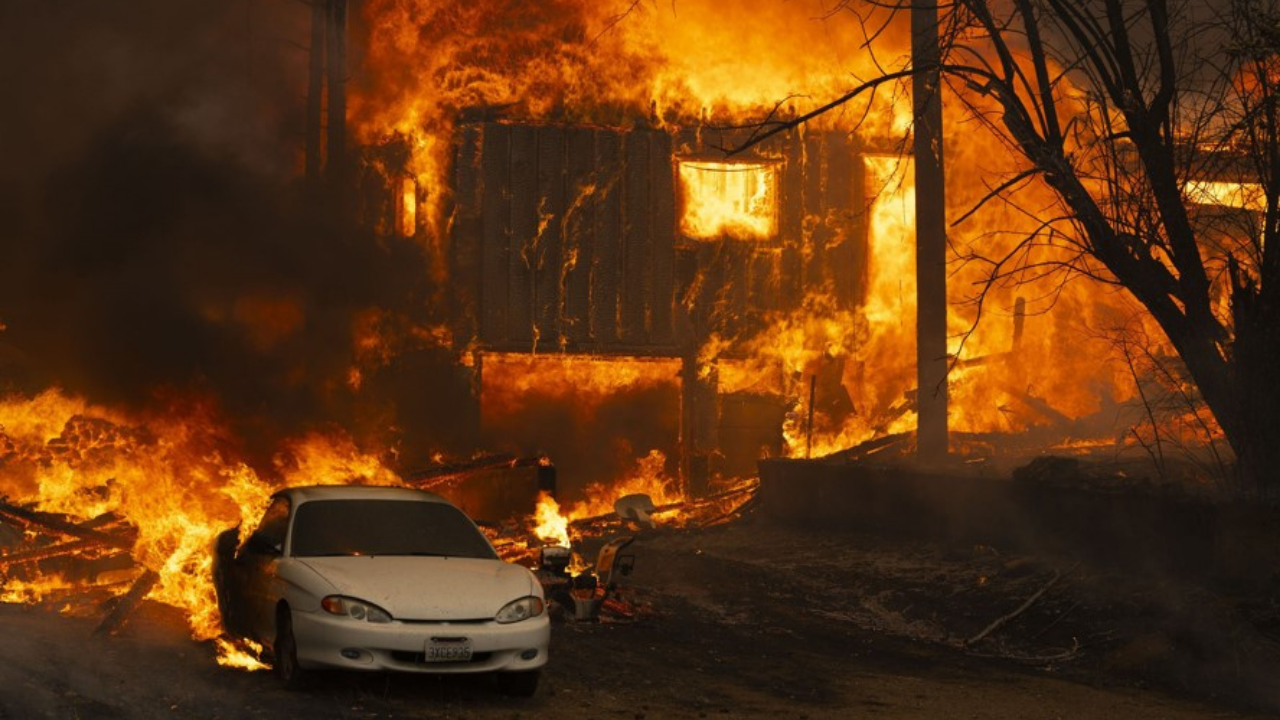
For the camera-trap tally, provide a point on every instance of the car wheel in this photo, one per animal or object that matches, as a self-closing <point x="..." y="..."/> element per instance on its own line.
<point x="285" y="662"/>
<point x="520" y="684"/>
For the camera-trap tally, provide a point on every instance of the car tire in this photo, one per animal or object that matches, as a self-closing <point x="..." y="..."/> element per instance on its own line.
<point x="285" y="653"/>
<point x="519" y="684"/>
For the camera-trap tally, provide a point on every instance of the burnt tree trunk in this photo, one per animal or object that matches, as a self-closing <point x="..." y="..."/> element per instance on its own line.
<point x="1254" y="430"/>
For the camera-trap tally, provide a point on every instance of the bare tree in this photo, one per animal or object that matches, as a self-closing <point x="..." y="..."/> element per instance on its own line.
<point x="1124" y="108"/>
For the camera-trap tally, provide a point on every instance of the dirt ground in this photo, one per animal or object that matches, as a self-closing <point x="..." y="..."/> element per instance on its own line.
<point x="746" y="620"/>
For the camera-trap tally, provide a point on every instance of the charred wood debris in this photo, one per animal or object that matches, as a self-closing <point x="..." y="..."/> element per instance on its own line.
<point x="586" y="582"/>
<point x="81" y="567"/>
<point x="87" y="567"/>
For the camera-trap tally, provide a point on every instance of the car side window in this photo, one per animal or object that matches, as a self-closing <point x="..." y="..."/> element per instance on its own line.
<point x="271" y="531"/>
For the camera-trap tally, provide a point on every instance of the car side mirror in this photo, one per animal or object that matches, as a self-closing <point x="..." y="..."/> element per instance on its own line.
<point x="226" y="543"/>
<point x="260" y="545"/>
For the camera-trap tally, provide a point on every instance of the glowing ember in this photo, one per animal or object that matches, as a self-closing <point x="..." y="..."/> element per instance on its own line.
<point x="729" y="199"/>
<point x="54" y="586"/>
<point x="510" y="378"/>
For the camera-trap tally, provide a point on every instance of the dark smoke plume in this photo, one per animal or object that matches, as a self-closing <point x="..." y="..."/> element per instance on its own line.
<point x="156" y="238"/>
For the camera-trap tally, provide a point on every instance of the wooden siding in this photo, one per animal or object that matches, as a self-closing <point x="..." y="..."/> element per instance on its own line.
<point x="572" y="234"/>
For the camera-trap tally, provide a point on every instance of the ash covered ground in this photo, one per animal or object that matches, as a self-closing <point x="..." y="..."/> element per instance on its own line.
<point x="746" y="619"/>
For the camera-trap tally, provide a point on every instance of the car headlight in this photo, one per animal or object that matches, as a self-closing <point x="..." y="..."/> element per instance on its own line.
<point x="355" y="609"/>
<point x="522" y="609"/>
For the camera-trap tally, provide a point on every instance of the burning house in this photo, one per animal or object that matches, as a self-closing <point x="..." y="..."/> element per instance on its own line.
<point x="589" y="245"/>
<point x="597" y="233"/>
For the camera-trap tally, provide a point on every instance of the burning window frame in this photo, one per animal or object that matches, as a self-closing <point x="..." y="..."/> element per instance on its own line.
<point x="729" y="213"/>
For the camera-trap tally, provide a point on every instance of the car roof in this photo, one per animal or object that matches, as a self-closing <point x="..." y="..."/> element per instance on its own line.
<point x="308" y="493"/>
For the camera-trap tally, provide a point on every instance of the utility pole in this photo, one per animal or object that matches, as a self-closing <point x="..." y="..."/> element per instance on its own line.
<point x="931" y="236"/>
<point x="315" y="90"/>
<point x="337" y="57"/>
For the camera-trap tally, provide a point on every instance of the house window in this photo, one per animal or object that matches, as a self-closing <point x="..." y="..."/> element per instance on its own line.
<point x="729" y="199"/>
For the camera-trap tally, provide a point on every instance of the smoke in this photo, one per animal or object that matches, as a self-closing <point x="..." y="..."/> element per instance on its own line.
<point x="602" y="438"/>
<point x="155" y="242"/>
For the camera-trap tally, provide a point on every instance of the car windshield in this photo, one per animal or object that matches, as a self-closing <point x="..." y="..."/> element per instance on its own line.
<point x="386" y="527"/>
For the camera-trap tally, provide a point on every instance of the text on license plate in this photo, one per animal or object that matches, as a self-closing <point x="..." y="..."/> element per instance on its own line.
<point x="448" y="652"/>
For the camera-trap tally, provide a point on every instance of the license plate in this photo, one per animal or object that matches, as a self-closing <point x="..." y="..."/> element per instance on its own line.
<point x="448" y="652"/>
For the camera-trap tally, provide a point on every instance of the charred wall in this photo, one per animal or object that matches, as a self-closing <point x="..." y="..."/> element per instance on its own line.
<point x="566" y="239"/>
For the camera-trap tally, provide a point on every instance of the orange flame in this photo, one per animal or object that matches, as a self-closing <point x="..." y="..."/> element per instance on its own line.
<point x="649" y="477"/>
<point x="171" y="476"/>
<point x="550" y="524"/>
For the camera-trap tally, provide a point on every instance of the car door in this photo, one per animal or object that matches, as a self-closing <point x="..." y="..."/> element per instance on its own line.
<point x="260" y="560"/>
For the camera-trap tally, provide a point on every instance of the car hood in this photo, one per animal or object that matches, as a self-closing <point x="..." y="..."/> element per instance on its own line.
<point x="426" y="588"/>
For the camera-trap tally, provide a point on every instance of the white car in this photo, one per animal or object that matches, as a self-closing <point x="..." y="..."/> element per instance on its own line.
<point x="380" y="578"/>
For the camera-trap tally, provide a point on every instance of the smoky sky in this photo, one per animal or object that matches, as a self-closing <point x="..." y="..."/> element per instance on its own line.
<point x="155" y="233"/>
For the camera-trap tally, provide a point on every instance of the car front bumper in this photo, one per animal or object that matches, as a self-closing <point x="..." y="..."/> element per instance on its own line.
<point x="330" y="641"/>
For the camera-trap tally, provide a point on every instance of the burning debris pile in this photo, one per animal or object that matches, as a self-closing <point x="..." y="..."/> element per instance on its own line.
<point x="575" y="547"/>
<point x="55" y="560"/>
<point x="584" y="589"/>
<point x="100" y="503"/>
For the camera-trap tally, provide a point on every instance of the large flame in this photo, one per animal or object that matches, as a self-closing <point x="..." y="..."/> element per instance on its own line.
<point x="1044" y="354"/>
<point x="429" y="62"/>
<point x="174" y="475"/>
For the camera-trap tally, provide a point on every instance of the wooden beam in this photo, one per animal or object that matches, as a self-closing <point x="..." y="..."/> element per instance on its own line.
<point x="43" y="553"/>
<point x="50" y="522"/>
<point x="126" y="604"/>
<point x="584" y="193"/>
<point x="524" y="234"/>
<point x="662" y="197"/>
<point x="548" y="270"/>
<point x="495" y="243"/>
<point x="637" y="245"/>
<point x="606" y="263"/>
